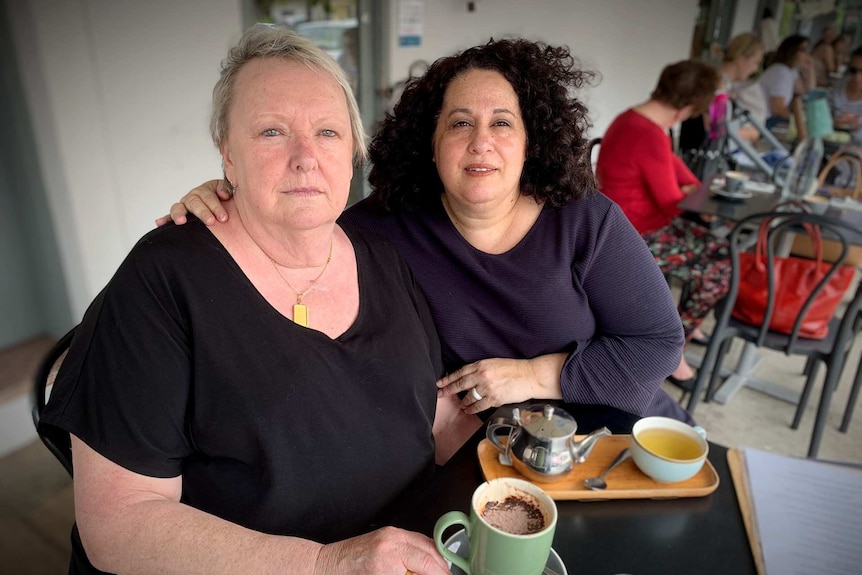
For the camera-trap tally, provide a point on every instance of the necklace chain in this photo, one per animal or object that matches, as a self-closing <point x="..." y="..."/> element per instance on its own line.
<point x="301" y="294"/>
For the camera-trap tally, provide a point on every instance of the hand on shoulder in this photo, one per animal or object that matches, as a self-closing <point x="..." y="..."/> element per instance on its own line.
<point x="204" y="201"/>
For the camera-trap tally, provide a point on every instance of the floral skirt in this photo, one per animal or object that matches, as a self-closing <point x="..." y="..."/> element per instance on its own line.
<point x="688" y="252"/>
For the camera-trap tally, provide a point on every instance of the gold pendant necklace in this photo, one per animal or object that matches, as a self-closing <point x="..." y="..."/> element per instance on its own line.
<point x="300" y="310"/>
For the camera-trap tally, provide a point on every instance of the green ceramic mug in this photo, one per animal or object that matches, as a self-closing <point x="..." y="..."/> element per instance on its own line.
<point x="512" y="505"/>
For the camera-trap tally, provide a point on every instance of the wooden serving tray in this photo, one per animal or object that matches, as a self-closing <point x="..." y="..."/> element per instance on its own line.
<point x="624" y="482"/>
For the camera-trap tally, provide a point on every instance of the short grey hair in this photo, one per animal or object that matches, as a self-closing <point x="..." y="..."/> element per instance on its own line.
<point x="269" y="41"/>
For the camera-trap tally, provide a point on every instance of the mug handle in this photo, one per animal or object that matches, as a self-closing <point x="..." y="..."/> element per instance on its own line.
<point x="700" y="431"/>
<point x="447" y="520"/>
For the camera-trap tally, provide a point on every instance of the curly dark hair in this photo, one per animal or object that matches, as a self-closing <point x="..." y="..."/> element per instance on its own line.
<point x="556" y="170"/>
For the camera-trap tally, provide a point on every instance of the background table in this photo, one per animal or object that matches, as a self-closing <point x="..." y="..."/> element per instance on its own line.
<point x="703" y="535"/>
<point x="703" y="202"/>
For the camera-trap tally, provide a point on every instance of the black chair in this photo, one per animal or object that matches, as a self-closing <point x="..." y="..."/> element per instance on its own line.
<point x="56" y="440"/>
<point x="854" y="395"/>
<point x="594" y="143"/>
<point x="831" y="351"/>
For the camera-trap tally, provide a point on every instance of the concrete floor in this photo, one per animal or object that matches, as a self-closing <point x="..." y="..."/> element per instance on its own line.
<point x="36" y="501"/>
<point x="754" y="419"/>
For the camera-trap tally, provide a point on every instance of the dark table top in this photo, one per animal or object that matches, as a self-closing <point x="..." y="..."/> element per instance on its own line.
<point x="703" y="535"/>
<point x="702" y="201"/>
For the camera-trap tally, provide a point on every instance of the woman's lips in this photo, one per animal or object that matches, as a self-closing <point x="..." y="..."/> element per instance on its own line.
<point x="480" y="169"/>
<point x="303" y="192"/>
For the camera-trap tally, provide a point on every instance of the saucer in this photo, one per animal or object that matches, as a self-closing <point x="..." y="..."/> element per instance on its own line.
<point x="759" y="187"/>
<point x="722" y="192"/>
<point x="458" y="544"/>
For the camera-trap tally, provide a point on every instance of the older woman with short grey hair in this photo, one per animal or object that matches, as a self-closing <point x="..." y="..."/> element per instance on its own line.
<point x="231" y="388"/>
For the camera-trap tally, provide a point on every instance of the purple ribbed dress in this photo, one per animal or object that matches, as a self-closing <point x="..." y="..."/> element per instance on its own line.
<point x="582" y="281"/>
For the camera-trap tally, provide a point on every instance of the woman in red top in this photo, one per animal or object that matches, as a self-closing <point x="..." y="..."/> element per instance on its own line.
<point x="639" y="171"/>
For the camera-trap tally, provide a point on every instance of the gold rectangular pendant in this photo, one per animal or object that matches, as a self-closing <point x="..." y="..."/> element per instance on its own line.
<point x="300" y="315"/>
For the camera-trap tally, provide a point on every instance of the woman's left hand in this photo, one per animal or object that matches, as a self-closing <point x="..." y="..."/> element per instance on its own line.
<point x="499" y="381"/>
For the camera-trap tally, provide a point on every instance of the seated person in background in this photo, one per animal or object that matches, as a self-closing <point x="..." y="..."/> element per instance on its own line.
<point x="748" y="94"/>
<point x="841" y="46"/>
<point x="741" y="59"/>
<point x="823" y="57"/>
<point x="638" y="170"/>
<point x="218" y="389"/>
<point x="846" y="99"/>
<point x="539" y="285"/>
<point x="786" y="81"/>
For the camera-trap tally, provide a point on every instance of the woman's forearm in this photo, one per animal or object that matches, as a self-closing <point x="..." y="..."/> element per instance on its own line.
<point x="778" y="108"/>
<point x="548" y="370"/>
<point x="135" y="524"/>
<point x="164" y="537"/>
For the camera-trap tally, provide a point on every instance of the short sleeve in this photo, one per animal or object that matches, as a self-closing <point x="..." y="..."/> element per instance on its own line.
<point x="124" y="386"/>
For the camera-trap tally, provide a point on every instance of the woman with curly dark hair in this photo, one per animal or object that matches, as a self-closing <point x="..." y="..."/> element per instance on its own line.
<point x="539" y="286"/>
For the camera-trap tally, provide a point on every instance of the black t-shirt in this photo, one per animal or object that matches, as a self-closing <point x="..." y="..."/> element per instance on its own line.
<point x="181" y="367"/>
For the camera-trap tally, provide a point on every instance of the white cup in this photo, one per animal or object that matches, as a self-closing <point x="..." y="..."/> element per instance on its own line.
<point x="734" y="181"/>
<point x="668" y="450"/>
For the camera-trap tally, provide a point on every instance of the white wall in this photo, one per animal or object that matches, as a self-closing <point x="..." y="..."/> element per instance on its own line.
<point x="119" y="98"/>
<point x="119" y="94"/>
<point x="743" y="19"/>
<point x="628" y="41"/>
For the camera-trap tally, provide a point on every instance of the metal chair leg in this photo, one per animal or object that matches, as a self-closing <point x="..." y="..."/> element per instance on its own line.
<point x="716" y="371"/>
<point x="851" y="401"/>
<point x="823" y="411"/>
<point x="806" y="392"/>
<point x="809" y="364"/>
<point x="706" y="367"/>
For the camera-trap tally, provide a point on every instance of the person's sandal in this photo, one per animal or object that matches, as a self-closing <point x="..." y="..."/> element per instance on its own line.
<point x="700" y="340"/>
<point x="683" y="384"/>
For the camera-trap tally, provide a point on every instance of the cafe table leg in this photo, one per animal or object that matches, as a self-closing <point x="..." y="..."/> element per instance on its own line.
<point x="743" y="375"/>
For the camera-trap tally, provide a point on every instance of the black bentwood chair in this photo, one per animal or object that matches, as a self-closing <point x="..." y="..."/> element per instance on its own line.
<point x="591" y="146"/>
<point x="56" y="440"/>
<point x="831" y="351"/>
<point x="854" y="391"/>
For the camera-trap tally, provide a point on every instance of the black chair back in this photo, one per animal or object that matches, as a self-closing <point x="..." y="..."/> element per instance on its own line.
<point x="831" y="350"/>
<point x="56" y="440"/>
<point x="781" y="224"/>
<point x="591" y="146"/>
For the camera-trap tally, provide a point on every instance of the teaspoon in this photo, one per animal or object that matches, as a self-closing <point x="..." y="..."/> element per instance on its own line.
<point x="598" y="483"/>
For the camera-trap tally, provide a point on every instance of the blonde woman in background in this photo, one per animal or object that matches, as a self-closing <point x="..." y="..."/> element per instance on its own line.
<point x="742" y="60"/>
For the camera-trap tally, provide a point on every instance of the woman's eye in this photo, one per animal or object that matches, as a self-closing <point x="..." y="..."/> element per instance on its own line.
<point x="460" y="124"/>
<point x="329" y="133"/>
<point x="271" y="132"/>
<point x="502" y="123"/>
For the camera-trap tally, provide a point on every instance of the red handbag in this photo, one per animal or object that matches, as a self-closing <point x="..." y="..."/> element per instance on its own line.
<point x="795" y="279"/>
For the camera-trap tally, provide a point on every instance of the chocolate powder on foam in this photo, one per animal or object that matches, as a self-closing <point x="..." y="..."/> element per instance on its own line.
<point x="514" y="515"/>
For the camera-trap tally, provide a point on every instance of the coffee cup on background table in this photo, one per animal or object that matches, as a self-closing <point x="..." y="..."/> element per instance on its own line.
<point x="668" y="450"/>
<point x="734" y="181"/>
<point x="510" y="529"/>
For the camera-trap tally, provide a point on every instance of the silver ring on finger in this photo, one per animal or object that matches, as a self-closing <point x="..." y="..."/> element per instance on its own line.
<point x="476" y="395"/>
